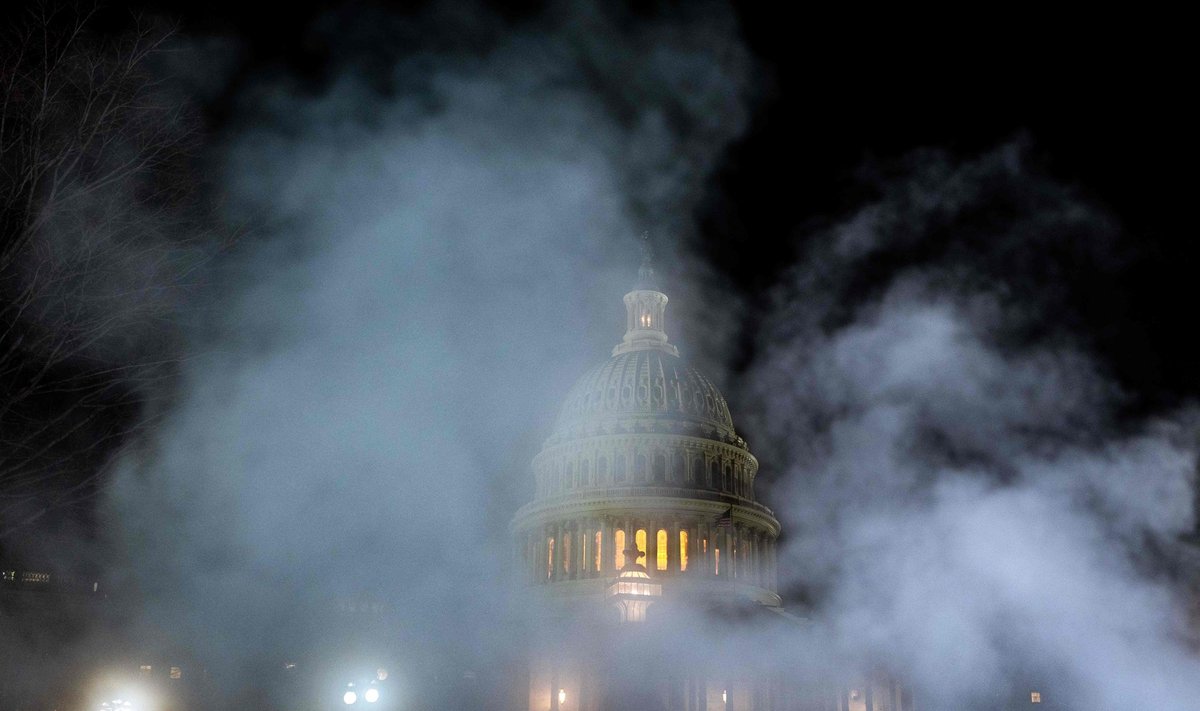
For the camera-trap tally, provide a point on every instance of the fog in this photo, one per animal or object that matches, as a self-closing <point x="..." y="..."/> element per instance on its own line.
<point x="436" y="243"/>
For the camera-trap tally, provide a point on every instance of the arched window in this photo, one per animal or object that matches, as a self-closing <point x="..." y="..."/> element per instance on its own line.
<point x="570" y="476"/>
<point x="677" y="467"/>
<point x="660" y="467"/>
<point x="661" y="553"/>
<point x="566" y="556"/>
<point x="549" y="558"/>
<point x="683" y="550"/>
<point x="639" y="539"/>
<point x="585" y="473"/>
<point x="619" y="558"/>
<point x="728" y="477"/>
<point x="619" y="467"/>
<point x="639" y="468"/>
<point x="601" y="469"/>
<point x="714" y="475"/>
<point x="596" y="553"/>
<point x="697" y="474"/>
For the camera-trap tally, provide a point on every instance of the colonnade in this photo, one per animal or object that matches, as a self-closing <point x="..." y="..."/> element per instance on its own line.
<point x="593" y="547"/>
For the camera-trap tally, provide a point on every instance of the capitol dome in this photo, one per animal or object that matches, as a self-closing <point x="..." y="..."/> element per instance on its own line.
<point x="644" y="463"/>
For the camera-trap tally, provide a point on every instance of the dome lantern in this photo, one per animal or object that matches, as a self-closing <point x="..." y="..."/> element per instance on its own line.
<point x="645" y="309"/>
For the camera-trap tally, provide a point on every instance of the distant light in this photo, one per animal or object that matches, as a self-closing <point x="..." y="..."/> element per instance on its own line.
<point x="724" y="696"/>
<point x="349" y="698"/>
<point x="562" y="696"/>
<point x="371" y="695"/>
<point x="381" y="673"/>
<point x="1035" y="697"/>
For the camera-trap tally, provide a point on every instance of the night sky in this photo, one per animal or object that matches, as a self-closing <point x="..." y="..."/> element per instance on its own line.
<point x="842" y="98"/>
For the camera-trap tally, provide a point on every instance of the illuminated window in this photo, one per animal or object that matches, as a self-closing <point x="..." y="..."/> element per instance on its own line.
<point x="620" y="553"/>
<point x="176" y="673"/>
<point x="639" y="540"/>
<point x="596" y="563"/>
<point x="661" y="554"/>
<point x="646" y="319"/>
<point x="145" y="668"/>
<point x="1035" y="697"/>
<point x="550" y="557"/>
<point x="683" y="550"/>
<point x="566" y="556"/>
<point x="717" y="560"/>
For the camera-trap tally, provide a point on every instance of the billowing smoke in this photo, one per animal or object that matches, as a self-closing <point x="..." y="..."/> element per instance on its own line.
<point x="438" y="249"/>
<point x="966" y="505"/>
<point x="436" y="238"/>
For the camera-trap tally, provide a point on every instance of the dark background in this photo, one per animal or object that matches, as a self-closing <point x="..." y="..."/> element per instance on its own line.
<point x="1100" y="102"/>
<point x="841" y="102"/>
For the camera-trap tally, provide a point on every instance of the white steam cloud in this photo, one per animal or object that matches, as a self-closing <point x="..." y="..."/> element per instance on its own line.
<point x="960" y="505"/>
<point x="437" y="267"/>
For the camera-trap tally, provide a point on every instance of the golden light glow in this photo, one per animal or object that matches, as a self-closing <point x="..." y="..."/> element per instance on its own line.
<point x="549" y="557"/>
<point x="566" y="553"/>
<point x="683" y="550"/>
<point x="620" y="559"/>
<point x="1035" y="697"/>
<point x="562" y="696"/>
<point x="717" y="560"/>
<point x="596" y="562"/>
<point x="646" y="321"/>
<point x="639" y="539"/>
<point x="661" y="554"/>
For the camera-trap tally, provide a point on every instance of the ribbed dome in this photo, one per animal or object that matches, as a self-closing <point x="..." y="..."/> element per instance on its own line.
<point x="644" y="384"/>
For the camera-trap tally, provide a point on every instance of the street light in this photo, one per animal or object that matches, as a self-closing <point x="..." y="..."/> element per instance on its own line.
<point x="349" y="698"/>
<point x="371" y="695"/>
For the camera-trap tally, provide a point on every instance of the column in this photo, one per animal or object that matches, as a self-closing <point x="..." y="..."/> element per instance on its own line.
<point x="673" y="547"/>
<point x="607" y="555"/>
<point x="652" y="547"/>
<point x="558" y="552"/>
<point x="584" y="535"/>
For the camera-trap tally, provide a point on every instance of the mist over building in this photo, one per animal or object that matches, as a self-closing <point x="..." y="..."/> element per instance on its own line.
<point x="309" y="396"/>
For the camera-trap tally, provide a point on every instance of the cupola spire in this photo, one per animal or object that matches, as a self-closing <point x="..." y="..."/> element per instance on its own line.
<point x="645" y="308"/>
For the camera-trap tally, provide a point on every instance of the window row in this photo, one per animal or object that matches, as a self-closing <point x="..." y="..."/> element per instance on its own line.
<point x="680" y="467"/>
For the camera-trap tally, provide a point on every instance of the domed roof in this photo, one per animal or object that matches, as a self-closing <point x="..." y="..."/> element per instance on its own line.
<point x="648" y="383"/>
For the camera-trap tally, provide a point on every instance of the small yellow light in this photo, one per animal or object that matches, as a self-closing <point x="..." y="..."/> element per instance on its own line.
<point x="724" y="696"/>
<point x="1035" y="697"/>
<point x="562" y="696"/>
